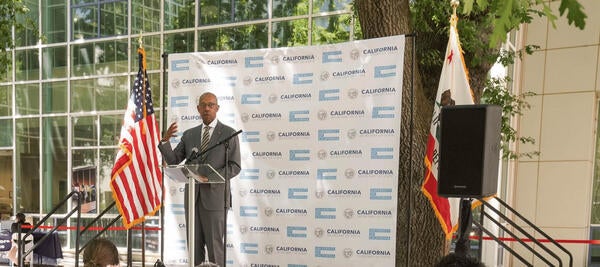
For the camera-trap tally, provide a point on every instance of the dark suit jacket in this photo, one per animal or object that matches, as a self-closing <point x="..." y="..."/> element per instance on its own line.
<point x="210" y="195"/>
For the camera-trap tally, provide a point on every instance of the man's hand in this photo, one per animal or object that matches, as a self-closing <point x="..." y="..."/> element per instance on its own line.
<point x="203" y="179"/>
<point x="170" y="132"/>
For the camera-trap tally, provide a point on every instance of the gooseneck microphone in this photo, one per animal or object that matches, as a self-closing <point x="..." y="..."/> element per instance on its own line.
<point x="194" y="154"/>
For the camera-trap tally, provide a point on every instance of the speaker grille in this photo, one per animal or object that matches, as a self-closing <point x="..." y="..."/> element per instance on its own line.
<point x="469" y="150"/>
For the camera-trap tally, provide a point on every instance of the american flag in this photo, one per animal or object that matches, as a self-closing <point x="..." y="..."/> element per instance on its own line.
<point x="136" y="178"/>
<point x="453" y="89"/>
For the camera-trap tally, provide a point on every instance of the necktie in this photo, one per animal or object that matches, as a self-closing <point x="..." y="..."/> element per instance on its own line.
<point x="205" y="139"/>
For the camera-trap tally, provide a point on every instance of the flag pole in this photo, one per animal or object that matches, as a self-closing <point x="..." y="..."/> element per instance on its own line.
<point x="141" y="47"/>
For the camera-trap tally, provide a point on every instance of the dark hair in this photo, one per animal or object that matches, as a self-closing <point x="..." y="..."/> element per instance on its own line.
<point x="456" y="260"/>
<point x="20" y="217"/>
<point x="100" y="252"/>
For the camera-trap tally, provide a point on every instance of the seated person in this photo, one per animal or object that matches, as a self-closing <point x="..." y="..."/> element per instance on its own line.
<point x="25" y="228"/>
<point x="101" y="252"/>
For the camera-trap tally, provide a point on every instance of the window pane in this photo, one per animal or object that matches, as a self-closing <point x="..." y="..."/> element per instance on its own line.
<point x="107" y="161"/>
<point x="105" y="93"/>
<point x="99" y="58"/>
<point x="85" y="22"/>
<point x="331" y="5"/>
<point x="54" y="148"/>
<point x="244" y="37"/>
<point x="7" y="76"/>
<point x="6" y="128"/>
<point x="54" y="97"/>
<point x="179" y="14"/>
<point x="54" y="20"/>
<point x="113" y="18"/>
<point x="151" y="45"/>
<point x="6" y="170"/>
<point x="209" y="11"/>
<point x="290" y="33"/>
<point x="83" y="179"/>
<point x="181" y="42"/>
<point x="112" y="93"/>
<point x="27" y="97"/>
<point x="5" y="100"/>
<point x="144" y="16"/>
<point x="84" y="132"/>
<point x="27" y="63"/>
<point x="110" y="129"/>
<point x="28" y="36"/>
<point x="54" y="62"/>
<point x="331" y="30"/>
<point x="250" y="10"/>
<point x="28" y="165"/>
<point x="287" y="8"/>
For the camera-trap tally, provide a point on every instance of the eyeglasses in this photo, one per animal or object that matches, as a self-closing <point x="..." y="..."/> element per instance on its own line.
<point x="209" y="105"/>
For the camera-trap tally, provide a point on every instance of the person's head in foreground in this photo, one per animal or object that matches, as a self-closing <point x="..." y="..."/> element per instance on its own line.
<point x="101" y="252"/>
<point x="457" y="260"/>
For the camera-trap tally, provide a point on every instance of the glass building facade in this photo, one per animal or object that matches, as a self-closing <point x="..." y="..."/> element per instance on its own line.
<point x="63" y="98"/>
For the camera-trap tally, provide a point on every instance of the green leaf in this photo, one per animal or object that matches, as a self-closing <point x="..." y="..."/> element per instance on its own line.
<point x="575" y="14"/>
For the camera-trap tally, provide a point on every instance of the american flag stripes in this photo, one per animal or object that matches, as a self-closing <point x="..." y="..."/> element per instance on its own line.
<point x="136" y="178"/>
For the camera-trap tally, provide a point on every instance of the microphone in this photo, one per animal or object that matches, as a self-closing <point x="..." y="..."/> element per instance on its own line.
<point x="194" y="154"/>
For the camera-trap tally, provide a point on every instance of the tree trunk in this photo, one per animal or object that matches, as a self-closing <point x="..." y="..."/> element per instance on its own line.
<point x="420" y="240"/>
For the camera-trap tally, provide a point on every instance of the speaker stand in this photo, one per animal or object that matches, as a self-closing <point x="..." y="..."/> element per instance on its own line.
<point x="465" y="220"/>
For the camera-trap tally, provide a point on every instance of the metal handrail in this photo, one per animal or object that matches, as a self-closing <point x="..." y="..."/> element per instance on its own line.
<point x="523" y="231"/>
<point x="21" y="245"/>
<point x="87" y="227"/>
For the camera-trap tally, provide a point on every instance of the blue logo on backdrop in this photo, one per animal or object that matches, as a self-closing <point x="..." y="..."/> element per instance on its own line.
<point x="325" y="213"/>
<point x="329" y="94"/>
<point x="180" y="101"/>
<point x="332" y="56"/>
<point x="303" y="78"/>
<point x="329" y="135"/>
<point x="382" y="153"/>
<point x="385" y="71"/>
<point x="379" y="234"/>
<point x="249" y="174"/>
<point x="251" y="99"/>
<point x="232" y="80"/>
<point x="249" y="248"/>
<point x="251" y="136"/>
<point x="254" y="62"/>
<point x="180" y="65"/>
<point x="297" y="193"/>
<point x="299" y="115"/>
<point x="322" y="174"/>
<point x="299" y="154"/>
<point x="381" y="194"/>
<point x="248" y="211"/>
<point x="296" y="231"/>
<point x="383" y="112"/>
<point x="325" y="252"/>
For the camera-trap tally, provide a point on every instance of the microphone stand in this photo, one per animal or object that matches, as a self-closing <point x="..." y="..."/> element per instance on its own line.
<point x="226" y="173"/>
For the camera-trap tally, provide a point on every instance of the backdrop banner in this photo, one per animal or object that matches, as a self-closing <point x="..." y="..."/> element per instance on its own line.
<point x="320" y="146"/>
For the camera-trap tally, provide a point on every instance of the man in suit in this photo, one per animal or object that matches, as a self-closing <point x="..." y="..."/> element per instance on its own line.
<point x="209" y="201"/>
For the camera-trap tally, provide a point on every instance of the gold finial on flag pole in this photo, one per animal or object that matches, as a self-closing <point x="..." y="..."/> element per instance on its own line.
<point x="454" y="18"/>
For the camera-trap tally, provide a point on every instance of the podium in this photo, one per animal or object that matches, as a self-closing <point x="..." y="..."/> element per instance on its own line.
<point x="192" y="174"/>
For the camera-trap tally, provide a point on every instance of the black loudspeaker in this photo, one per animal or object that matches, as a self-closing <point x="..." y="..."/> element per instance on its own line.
<point x="469" y="150"/>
